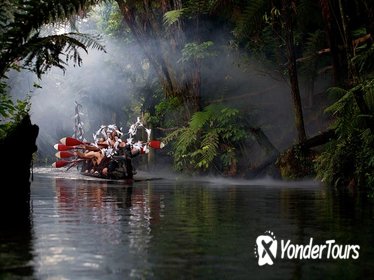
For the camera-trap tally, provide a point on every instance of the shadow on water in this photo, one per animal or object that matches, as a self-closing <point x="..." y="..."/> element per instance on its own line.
<point x="15" y="238"/>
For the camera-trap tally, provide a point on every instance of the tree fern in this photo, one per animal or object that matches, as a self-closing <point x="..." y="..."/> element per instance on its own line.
<point x="21" y="44"/>
<point x="21" y="30"/>
<point x="210" y="137"/>
<point x="42" y="53"/>
<point x="349" y="159"/>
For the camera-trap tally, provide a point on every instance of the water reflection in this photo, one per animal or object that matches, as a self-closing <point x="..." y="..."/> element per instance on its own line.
<point x="95" y="226"/>
<point x="184" y="229"/>
<point x="15" y="238"/>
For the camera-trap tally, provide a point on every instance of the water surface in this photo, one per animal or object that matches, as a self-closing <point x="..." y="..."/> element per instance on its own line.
<point x="181" y="229"/>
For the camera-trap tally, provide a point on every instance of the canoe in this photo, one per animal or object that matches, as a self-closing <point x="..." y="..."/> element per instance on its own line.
<point x="141" y="178"/>
<point x="117" y="170"/>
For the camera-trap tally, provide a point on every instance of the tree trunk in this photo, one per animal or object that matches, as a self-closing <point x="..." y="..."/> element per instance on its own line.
<point x="264" y="141"/>
<point x="319" y="139"/>
<point x="353" y="78"/>
<point x="334" y="39"/>
<point x="287" y="8"/>
<point x="347" y="41"/>
<point x="163" y="49"/>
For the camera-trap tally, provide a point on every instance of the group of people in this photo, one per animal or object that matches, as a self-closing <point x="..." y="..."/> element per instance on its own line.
<point x="109" y="156"/>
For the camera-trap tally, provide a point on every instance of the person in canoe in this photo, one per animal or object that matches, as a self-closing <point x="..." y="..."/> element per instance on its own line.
<point x="112" y="156"/>
<point x="108" y="156"/>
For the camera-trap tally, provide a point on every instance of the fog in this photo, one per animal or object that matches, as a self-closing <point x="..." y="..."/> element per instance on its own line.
<point x="107" y="86"/>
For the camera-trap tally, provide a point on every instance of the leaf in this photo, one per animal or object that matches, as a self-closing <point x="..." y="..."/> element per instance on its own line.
<point x="173" y="16"/>
<point x="196" y="51"/>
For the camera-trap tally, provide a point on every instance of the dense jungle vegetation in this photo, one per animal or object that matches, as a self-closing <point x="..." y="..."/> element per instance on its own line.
<point x="201" y="113"/>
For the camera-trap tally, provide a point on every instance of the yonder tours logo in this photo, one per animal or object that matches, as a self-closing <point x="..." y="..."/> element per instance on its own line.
<point x="266" y="248"/>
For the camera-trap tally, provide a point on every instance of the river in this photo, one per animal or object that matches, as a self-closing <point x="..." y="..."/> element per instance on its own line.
<point x="178" y="228"/>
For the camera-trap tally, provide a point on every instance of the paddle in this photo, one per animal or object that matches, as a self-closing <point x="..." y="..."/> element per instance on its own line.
<point x="73" y="142"/>
<point x="70" y="141"/>
<point x="64" y="154"/>
<point x="156" y="144"/>
<point x="62" y="147"/>
<point x="62" y="163"/>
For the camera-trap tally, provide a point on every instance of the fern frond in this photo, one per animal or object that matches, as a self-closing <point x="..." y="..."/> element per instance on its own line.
<point x="208" y="151"/>
<point x="199" y="145"/>
<point x="173" y="135"/>
<point x="251" y="18"/>
<point x="173" y="16"/>
<point x="311" y="62"/>
<point x="25" y="20"/>
<point x="41" y="53"/>
<point x="209" y="145"/>
<point x="368" y="89"/>
<point x="198" y="7"/>
<point x="196" y="51"/>
<point x="364" y="60"/>
<point x="186" y="140"/>
<point x="308" y="13"/>
<point x="339" y="105"/>
<point x="336" y="92"/>
<point x="199" y="119"/>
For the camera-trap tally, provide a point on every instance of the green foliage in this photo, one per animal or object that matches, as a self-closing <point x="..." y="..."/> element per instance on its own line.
<point x="210" y="140"/>
<point x="167" y="112"/>
<point x="196" y="51"/>
<point x="20" y="38"/>
<point x="364" y="60"/>
<point x="109" y="19"/>
<point x="6" y="106"/>
<point x="296" y="163"/>
<point x="349" y="159"/>
<point x="251" y="20"/>
<point x="12" y="113"/>
<point x="23" y="46"/>
<point x="312" y="61"/>
<point x="172" y="16"/>
<point x="42" y="53"/>
<point x="199" y="7"/>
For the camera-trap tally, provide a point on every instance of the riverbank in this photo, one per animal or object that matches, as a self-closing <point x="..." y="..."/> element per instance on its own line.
<point x="17" y="152"/>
